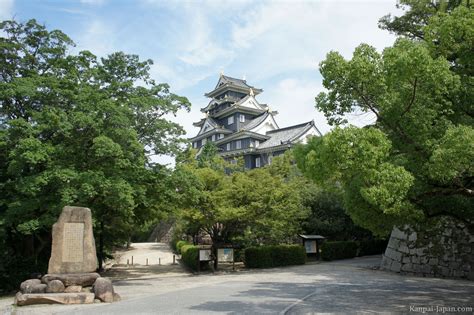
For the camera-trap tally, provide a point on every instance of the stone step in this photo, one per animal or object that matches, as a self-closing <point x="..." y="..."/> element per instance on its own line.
<point x="53" y="298"/>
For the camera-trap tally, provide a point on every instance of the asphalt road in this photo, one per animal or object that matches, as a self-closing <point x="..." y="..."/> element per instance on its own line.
<point x="347" y="286"/>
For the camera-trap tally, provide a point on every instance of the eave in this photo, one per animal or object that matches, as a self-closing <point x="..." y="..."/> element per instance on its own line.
<point x="238" y="108"/>
<point x="242" y="135"/>
<point x="210" y="133"/>
<point x="232" y="87"/>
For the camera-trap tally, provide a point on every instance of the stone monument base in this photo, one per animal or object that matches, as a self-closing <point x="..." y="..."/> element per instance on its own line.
<point x="53" y="298"/>
<point x="69" y="279"/>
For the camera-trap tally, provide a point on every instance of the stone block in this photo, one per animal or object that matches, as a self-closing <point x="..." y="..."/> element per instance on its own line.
<point x="393" y="254"/>
<point x="386" y="262"/>
<point x="396" y="266"/>
<point x="403" y="248"/>
<point x="73" y="289"/>
<point x="397" y="233"/>
<point x="412" y="237"/>
<point x="407" y="267"/>
<point x="54" y="298"/>
<point x="55" y="286"/>
<point x="82" y="279"/>
<point x="433" y="261"/>
<point x="104" y="290"/>
<point x="406" y="259"/>
<point x="73" y="247"/>
<point x="415" y="259"/>
<point x="393" y="243"/>
<point x="32" y="286"/>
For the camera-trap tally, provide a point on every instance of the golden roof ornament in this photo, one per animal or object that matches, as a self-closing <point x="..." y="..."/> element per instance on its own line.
<point x="251" y="92"/>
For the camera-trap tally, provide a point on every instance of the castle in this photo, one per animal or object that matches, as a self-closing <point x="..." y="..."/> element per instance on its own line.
<point x="242" y="127"/>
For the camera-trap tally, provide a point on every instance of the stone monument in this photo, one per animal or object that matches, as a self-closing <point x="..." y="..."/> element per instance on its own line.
<point x="71" y="277"/>
<point x="73" y="249"/>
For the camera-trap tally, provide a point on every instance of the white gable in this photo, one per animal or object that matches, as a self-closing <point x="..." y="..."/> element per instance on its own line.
<point x="251" y="102"/>
<point x="206" y="127"/>
<point x="268" y="124"/>
<point x="312" y="132"/>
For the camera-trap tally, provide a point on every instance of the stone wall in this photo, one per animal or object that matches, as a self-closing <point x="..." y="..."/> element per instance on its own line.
<point x="442" y="248"/>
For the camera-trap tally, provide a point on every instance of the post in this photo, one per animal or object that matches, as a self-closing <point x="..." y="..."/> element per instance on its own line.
<point x="147" y="261"/>
<point x="159" y="261"/>
<point x="174" y="259"/>
<point x="128" y="262"/>
<point x="198" y="262"/>
<point x="132" y="260"/>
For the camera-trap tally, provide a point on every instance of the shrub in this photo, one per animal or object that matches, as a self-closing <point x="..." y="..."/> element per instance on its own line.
<point x="372" y="247"/>
<point x="338" y="250"/>
<point x="180" y="244"/>
<point x="189" y="255"/>
<point x="274" y="256"/>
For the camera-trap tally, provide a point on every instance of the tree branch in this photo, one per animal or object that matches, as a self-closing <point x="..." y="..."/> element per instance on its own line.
<point x="413" y="96"/>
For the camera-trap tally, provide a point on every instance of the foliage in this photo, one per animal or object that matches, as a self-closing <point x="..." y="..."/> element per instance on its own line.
<point x="190" y="256"/>
<point x="180" y="244"/>
<point x="416" y="161"/>
<point x="250" y="207"/>
<point x="274" y="256"/>
<point x="328" y="216"/>
<point x="372" y="247"/>
<point x="338" y="250"/>
<point x="79" y="130"/>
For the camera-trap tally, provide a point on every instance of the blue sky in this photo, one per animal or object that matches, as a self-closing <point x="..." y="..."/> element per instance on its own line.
<point x="275" y="45"/>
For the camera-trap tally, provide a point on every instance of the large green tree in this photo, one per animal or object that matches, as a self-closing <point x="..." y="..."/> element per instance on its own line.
<point x="231" y="205"/>
<point x="416" y="161"/>
<point x="78" y="130"/>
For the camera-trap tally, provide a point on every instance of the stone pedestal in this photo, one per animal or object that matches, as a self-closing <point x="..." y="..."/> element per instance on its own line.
<point x="71" y="266"/>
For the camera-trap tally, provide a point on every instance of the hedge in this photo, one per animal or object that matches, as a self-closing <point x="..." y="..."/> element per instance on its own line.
<point x="189" y="255"/>
<point x="338" y="250"/>
<point x="274" y="256"/>
<point x="180" y="244"/>
<point x="372" y="247"/>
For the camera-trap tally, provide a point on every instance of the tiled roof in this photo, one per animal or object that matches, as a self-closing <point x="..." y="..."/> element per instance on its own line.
<point x="235" y="81"/>
<point x="254" y="122"/>
<point x="284" y="135"/>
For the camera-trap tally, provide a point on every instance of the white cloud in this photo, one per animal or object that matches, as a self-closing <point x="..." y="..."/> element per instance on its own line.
<point x="6" y="9"/>
<point x="200" y="46"/>
<point x="93" y="2"/>
<point x="98" y="37"/>
<point x="293" y="98"/>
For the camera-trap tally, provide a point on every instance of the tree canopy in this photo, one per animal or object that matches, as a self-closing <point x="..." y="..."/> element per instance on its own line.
<point x="416" y="161"/>
<point x="76" y="129"/>
<point x="259" y="206"/>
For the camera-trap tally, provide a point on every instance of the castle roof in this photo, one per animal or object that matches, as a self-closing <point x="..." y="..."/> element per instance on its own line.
<point x="285" y="135"/>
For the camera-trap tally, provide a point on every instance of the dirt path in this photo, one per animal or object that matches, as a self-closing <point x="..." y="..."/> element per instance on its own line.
<point x="160" y="262"/>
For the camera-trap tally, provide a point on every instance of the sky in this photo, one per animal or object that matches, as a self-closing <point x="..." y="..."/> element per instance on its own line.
<point x="274" y="45"/>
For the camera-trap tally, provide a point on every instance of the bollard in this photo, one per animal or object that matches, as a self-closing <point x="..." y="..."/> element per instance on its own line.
<point x="174" y="259"/>
<point x="132" y="260"/>
<point x="128" y="262"/>
<point x="147" y="261"/>
<point x="159" y="261"/>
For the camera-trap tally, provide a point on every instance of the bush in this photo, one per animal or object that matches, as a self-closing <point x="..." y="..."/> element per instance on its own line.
<point x="372" y="247"/>
<point x="180" y="244"/>
<point x="338" y="250"/>
<point x="274" y="256"/>
<point x="189" y="255"/>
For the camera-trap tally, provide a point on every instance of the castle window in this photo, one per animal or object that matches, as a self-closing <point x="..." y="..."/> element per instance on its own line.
<point x="257" y="162"/>
<point x="221" y="136"/>
<point x="213" y="137"/>
<point x="230" y="120"/>
<point x="242" y="118"/>
<point x="238" y="144"/>
<point x="228" y="146"/>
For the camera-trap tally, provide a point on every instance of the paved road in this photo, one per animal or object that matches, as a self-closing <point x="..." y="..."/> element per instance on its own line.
<point x="346" y="286"/>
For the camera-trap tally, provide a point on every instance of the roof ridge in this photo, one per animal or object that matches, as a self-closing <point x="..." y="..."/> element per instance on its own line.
<point x="291" y="127"/>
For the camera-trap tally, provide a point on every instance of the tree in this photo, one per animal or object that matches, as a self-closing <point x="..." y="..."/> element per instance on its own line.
<point x="245" y="207"/>
<point x="416" y="161"/>
<point x="75" y="129"/>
